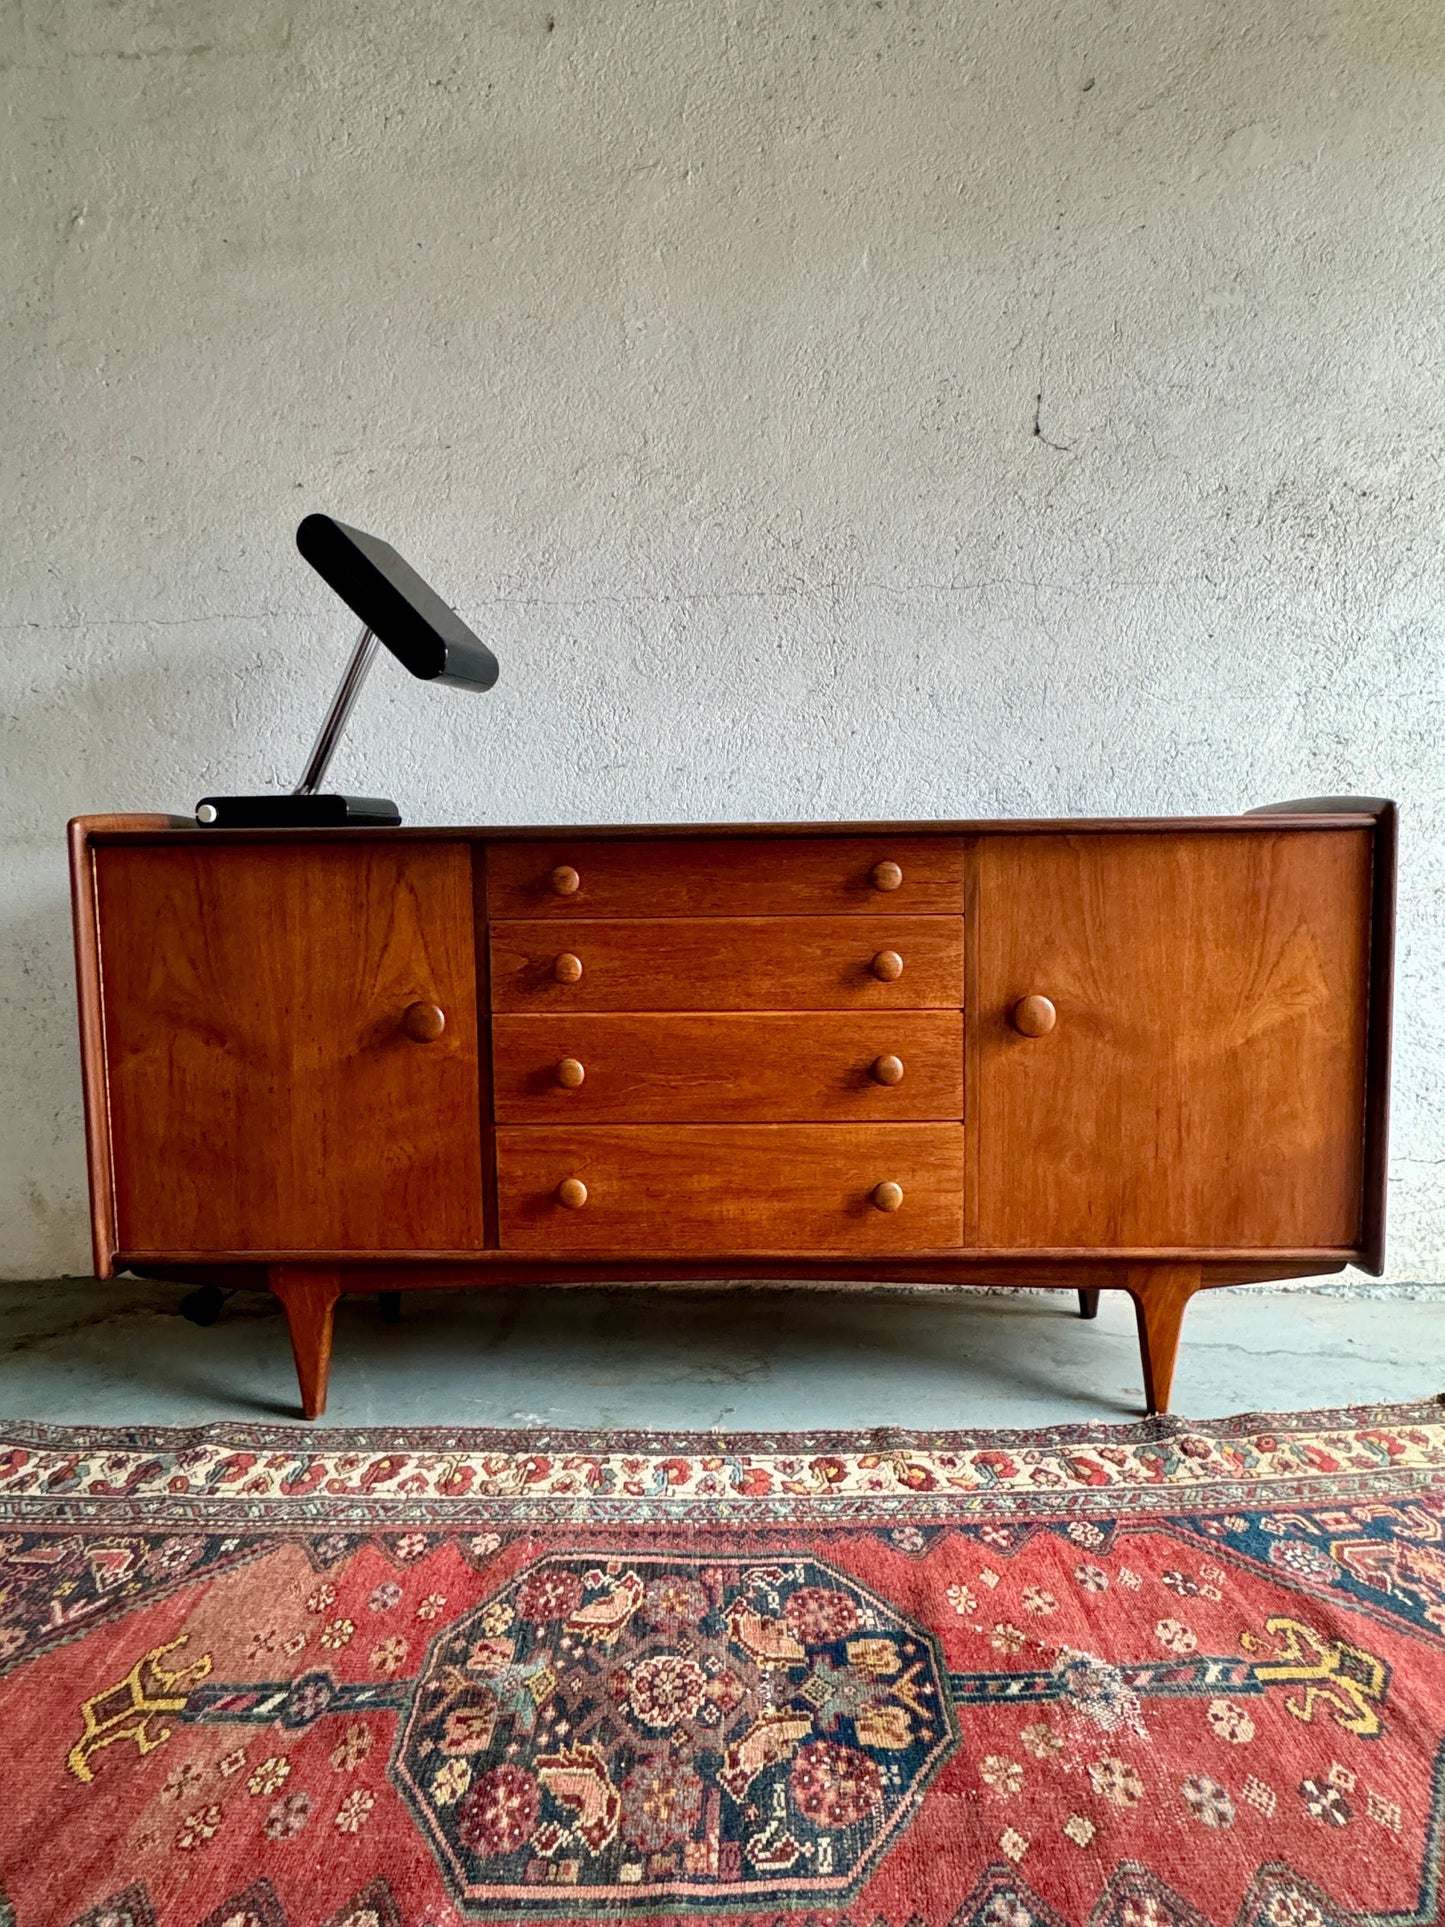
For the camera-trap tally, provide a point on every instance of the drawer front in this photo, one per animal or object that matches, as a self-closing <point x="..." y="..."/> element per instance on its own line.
<point x="728" y="1067"/>
<point x="725" y="1189"/>
<point x="761" y="963"/>
<point x="733" y="876"/>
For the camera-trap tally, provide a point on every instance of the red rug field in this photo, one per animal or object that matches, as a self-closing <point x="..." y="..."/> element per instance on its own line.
<point x="1124" y="1676"/>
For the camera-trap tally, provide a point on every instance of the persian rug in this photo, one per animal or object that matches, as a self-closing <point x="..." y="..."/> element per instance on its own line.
<point x="1132" y="1676"/>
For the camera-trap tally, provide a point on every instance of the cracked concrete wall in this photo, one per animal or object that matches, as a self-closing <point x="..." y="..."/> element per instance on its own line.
<point x="832" y="407"/>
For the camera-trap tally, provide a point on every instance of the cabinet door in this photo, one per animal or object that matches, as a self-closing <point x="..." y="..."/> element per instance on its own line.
<point x="1203" y="1084"/>
<point x="266" y="1093"/>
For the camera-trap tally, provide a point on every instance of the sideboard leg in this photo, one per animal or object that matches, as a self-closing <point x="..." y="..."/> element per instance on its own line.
<point x="308" y="1296"/>
<point x="388" y="1303"/>
<point x="1088" y="1301"/>
<point x="1160" y="1293"/>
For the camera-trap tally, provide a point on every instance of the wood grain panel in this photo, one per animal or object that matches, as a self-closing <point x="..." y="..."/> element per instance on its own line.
<point x="759" y="963"/>
<point x="722" y="1188"/>
<point x="264" y="1091"/>
<point x="96" y="1098"/>
<point x="1204" y="1082"/>
<point x="481" y="955"/>
<point x="726" y="1067"/>
<point x="733" y="876"/>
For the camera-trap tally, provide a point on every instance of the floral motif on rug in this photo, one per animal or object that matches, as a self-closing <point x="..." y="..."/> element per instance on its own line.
<point x="1147" y="1676"/>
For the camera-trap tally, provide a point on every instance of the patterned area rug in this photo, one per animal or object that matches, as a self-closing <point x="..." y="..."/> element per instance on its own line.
<point x="1127" y="1676"/>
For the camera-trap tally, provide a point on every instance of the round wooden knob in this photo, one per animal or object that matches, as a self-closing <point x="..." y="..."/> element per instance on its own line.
<point x="570" y="1073"/>
<point x="888" y="966"/>
<point x="567" y="969"/>
<point x="886" y="876"/>
<point x="573" y="1193"/>
<point x="565" y="881"/>
<point x="423" y="1023"/>
<point x="1034" y="1016"/>
<point x="887" y="1070"/>
<point x="888" y="1196"/>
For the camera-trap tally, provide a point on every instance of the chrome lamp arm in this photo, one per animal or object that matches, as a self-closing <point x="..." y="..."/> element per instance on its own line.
<point x="335" y="719"/>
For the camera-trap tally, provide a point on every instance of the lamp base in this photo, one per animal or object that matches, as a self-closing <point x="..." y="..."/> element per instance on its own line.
<point x="297" y="813"/>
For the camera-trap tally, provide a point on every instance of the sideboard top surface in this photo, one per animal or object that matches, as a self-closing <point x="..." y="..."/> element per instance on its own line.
<point x="1327" y="813"/>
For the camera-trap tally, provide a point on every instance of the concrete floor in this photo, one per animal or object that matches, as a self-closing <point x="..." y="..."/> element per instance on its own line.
<point x="74" y="1350"/>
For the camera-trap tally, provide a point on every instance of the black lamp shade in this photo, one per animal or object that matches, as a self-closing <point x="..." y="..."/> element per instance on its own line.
<point x="389" y="596"/>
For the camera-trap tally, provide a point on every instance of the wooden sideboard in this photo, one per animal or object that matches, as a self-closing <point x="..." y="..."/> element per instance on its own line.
<point x="1143" y="1055"/>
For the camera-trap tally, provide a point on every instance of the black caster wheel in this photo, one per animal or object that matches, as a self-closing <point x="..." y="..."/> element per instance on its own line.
<point x="203" y="1305"/>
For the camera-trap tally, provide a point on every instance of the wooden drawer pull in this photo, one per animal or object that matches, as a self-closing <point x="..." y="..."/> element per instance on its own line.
<point x="570" y="1073"/>
<point x="423" y="1023"/>
<point x="1034" y="1016"/>
<point x="886" y="876"/>
<point x="565" y="881"/>
<point x="888" y="1196"/>
<point x="567" y="969"/>
<point x="572" y="1192"/>
<point x="887" y="1070"/>
<point x="887" y="966"/>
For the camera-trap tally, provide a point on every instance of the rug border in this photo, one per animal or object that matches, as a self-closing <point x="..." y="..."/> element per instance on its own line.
<point x="445" y="1438"/>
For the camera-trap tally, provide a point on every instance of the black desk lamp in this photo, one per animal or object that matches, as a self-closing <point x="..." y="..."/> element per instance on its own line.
<point x="396" y="607"/>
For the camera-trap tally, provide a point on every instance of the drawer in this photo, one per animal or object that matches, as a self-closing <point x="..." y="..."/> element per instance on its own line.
<point x="727" y="876"/>
<point x="726" y="1189"/>
<point x="728" y="1067"/>
<point x="757" y="963"/>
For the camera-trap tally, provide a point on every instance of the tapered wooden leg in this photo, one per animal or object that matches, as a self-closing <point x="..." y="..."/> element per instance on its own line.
<point x="309" y="1296"/>
<point x="1160" y="1293"/>
<point x="1088" y="1301"/>
<point x="388" y="1303"/>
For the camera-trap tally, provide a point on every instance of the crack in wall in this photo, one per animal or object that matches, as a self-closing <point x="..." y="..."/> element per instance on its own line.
<point x="1064" y="448"/>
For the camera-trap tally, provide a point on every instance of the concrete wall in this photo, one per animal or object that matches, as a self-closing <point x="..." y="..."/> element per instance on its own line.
<point x="832" y="407"/>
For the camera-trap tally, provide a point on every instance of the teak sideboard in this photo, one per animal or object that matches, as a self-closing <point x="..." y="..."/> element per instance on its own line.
<point x="1146" y="1055"/>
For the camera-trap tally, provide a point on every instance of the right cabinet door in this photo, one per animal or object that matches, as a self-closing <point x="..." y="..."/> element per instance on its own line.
<point x="1203" y="1081"/>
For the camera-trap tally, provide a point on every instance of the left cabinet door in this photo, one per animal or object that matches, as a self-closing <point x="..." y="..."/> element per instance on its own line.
<point x="276" y="1077"/>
